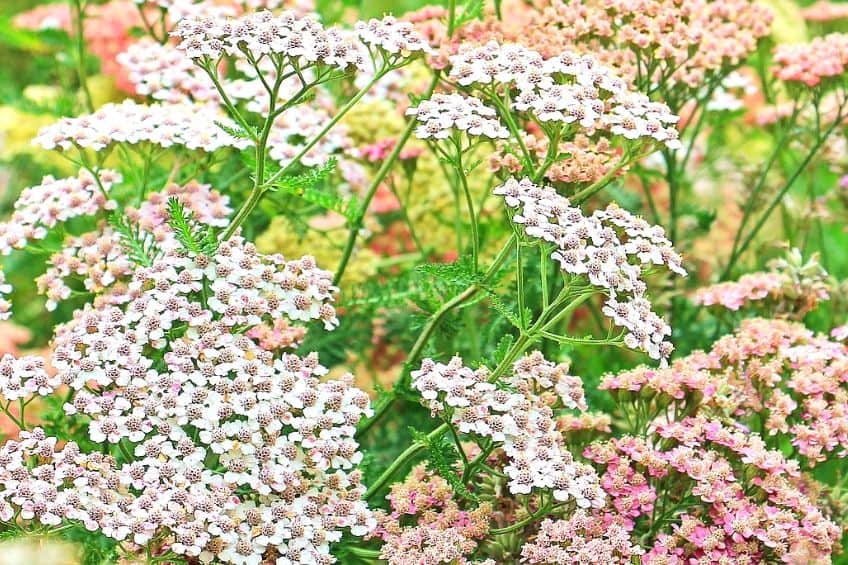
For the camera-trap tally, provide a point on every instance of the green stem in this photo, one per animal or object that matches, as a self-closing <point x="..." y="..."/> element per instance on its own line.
<point x="541" y="325"/>
<point x="402" y="459"/>
<point x="434" y="322"/>
<point x="779" y="197"/>
<point x="78" y="29"/>
<point x="259" y="177"/>
<point x="375" y="183"/>
<point x="331" y="124"/>
<point x="451" y="17"/>
<point x="362" y="552"/>
<point x="749" y="205"/>
<point x="260" y="184"/>
<point x="541" y="513"/>
<point x="479" y="460"/>
<point x="583" y="195"/>
<point x="475" y="235"/>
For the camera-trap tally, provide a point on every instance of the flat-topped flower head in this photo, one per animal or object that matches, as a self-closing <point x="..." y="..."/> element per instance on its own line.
<point x="773" y="374"/>
<point x="392" y="36"/>
<point x="100" y="259"/>
<point x="193" y="126"/>
<point x="165" y="73"/>
<point x="300" y="38"/>
<point x="25" y="377"/>
<point x="581" y="535"/>
<point x="683" y="42"/>
<point x="811" y="63"/>
<point x="610" y="248"/>
<point x="790" y="288"/>
<point x="444" y="114"/>
<point x="435" y="528"/>
<point x="568" y="88"/>
<point x="750" y="503"/>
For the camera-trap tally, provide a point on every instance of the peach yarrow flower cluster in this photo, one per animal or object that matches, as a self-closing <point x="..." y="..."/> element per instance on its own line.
<point x="442" y="532"/>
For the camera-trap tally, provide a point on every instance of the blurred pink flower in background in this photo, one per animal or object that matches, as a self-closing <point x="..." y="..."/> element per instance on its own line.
<point x="107" y="31"/>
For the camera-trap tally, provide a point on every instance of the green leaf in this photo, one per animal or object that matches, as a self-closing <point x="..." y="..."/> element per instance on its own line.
<point x="501" y="307"/>
<point x="236" y="132"/>
<point x="471" y="10"/>
<point x="459" y="273"/>
<point x="193" y="237"/>
<point x="305" y="186"/>
<point x="139" y="246"/>
<point x="502" y="349"/>
<point x="442" y="456"/>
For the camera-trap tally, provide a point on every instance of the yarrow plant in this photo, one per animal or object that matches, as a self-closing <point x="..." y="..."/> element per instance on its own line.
<point x="483" y="283"/>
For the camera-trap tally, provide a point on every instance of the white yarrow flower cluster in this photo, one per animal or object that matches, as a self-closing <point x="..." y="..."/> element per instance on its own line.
<point x="166" y="74"/>
<point x="444" y="114"/>
<point x="392" y="36"/>
<point x="239" y="452"/>
<point x="193" y="126"/>
<point x="568" y="88"/>
<point x="99" y="258"/>
<point x="301" y="39"/>
<point x="25" y="377"/>
<point x="54" y="201"/>
<point x="610" y="248"/>
<point x="522" y="422"/>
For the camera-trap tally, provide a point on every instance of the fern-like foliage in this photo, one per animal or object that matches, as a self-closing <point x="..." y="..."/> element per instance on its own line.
<point x="306" y="186"/>
<point x="193" y="236"/>
<point x="139" y="246"/>
<point x="441" y="459"/>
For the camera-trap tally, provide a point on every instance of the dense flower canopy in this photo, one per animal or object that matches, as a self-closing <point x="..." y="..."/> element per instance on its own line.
<point x="293" y="282"/>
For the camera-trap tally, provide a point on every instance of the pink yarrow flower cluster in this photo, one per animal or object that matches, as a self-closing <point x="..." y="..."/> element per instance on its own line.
<point x="522" y="421"/>
<point x="772" y="374"/>
<point x="790" y="288"/>
<point x="736" y="294"/>
<point x="751" y="503"/>
<point x="568" y="88"/>
<point x="811" y="63"/>
<point x="680" y="41"/>
<point x="611" y="248"/>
